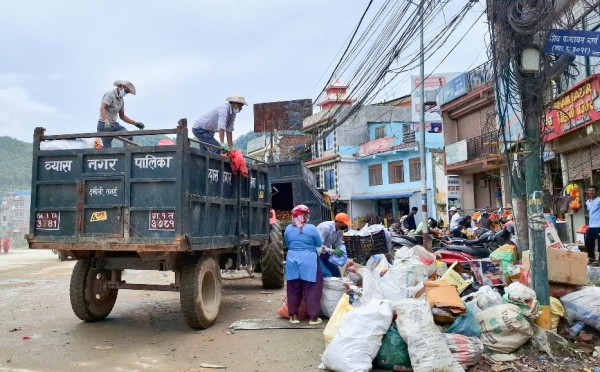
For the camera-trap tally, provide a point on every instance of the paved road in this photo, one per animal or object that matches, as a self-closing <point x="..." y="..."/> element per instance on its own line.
<point x="145" y="331"/>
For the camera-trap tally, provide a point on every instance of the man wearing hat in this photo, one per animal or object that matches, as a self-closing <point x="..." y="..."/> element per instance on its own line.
<point x="113" y="104"/>
<point x="219" y="119"/>
<point x="333" y="253"/>
<point x="454" y="218"/>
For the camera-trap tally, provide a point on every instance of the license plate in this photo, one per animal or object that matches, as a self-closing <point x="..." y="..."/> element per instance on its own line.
<point x="162" y="221"/>
<point x="47" y="221"/>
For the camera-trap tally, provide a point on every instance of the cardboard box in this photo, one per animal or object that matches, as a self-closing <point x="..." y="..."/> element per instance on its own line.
<point x="453" y="278"/>
<point x="563" y="266"/>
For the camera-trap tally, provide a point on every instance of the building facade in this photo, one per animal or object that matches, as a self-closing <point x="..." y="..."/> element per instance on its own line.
<point x="14" y="214"/>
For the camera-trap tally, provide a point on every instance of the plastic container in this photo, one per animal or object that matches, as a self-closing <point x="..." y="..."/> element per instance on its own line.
<point x="576" y="328"/>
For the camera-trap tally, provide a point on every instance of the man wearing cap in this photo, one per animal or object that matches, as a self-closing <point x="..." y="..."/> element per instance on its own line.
<point x="454" y="218"/>
<point x="333" y="254"/>
<point x="219" y="119"/>
<point x="113" y="104"/>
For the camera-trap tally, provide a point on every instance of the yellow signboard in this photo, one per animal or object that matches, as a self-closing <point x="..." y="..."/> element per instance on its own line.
<point x="98" y="216"/>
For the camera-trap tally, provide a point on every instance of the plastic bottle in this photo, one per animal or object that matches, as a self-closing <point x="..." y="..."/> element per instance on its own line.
<point x="441" y="268"/>
<point x="576" y="328"/>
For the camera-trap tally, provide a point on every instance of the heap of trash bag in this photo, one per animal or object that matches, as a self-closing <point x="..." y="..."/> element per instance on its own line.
<point x="410" y="315"/>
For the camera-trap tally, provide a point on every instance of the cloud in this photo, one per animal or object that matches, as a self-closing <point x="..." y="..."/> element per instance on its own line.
<point x="21" y="112"/>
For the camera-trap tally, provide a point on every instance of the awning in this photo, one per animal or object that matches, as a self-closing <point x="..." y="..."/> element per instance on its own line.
<point x="395" y="195"/>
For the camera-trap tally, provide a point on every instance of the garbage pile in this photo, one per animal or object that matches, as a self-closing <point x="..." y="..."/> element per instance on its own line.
<point x="414" y="313"/>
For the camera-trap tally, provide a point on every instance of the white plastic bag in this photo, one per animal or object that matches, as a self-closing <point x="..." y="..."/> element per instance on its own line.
<point x="485" y="298"/>
<point x="359" y="338"/>
<point x="583" y="305"/>
<point x="402" y="280"/>
<point x="79" y="143"/>
<point x="333" y="289"/>
<point x="370" y="286"/>
<point x="427" y="346"/>
<point x="524" y="297"/>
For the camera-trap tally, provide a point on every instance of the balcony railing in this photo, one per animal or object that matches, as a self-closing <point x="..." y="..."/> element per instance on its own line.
<point x="483" y="145"/>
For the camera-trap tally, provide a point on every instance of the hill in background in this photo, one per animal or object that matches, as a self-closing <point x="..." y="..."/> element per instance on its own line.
<point x="15" y="165"/>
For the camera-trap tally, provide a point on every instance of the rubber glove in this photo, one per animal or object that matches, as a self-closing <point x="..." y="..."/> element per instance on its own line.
<point x="224" y="147"/>
<point x="139" y="125"/>
<point x="107" y="125"/>
<point x="338" y="252"/>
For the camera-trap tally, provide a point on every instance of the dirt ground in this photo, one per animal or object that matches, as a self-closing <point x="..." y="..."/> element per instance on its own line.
<point x="144" y="332"/>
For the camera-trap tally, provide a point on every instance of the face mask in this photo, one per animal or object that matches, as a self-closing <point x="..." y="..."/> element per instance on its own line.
<point x="122" y="93"/>
<point x="235" y="111"/>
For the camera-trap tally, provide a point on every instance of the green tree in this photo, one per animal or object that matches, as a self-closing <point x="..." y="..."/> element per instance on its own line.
<point x="15" y="164"/>
<point x="242" y="141"/>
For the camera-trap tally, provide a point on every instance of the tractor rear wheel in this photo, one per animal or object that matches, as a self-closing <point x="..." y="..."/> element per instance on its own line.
<point x="272" y="260"/>
<point x="91" y="299"/>
<point x="200" y="291"/>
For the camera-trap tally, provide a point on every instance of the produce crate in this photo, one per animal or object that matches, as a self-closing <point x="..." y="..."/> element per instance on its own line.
<point x="360" y="248"/>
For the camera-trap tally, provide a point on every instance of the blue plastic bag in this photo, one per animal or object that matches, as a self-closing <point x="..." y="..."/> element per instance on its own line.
<point x="466" y="325"/>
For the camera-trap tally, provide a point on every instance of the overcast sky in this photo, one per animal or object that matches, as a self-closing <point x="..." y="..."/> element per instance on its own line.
<point x="184" y="57"/>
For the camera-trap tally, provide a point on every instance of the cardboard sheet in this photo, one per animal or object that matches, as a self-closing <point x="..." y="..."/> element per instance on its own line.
<point x="563" y="266"/>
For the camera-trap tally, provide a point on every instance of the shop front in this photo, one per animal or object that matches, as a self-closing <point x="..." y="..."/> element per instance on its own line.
<point x="571" y="132"/>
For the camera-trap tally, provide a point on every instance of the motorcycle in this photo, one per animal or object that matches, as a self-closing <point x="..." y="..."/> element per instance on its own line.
<point x="406" y="241"/>
<point x="464" y="251"/>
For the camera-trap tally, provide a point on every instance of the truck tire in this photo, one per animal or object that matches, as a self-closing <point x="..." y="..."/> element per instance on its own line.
<point x="272" y="260"/>
<point x="91" y="300"/>
<point x="200" y="291"/>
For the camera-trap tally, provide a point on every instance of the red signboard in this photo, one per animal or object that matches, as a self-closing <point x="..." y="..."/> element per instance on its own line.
<point x="575" y="109"/>
<point x="376" y="146"/>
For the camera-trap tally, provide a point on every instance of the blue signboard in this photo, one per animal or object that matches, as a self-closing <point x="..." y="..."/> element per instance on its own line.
<point x="453" y="89"/>
<point x="581" y="43"/>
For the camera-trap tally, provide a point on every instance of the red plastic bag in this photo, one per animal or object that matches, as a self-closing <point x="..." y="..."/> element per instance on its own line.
<point x="583" y="229"/>
<point x="283" y="310"/>
<point x="238" y="164"/>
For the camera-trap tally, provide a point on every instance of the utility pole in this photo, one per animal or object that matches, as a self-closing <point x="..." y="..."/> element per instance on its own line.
<point x="531" y="99"/>
<point x="423" y="160"/>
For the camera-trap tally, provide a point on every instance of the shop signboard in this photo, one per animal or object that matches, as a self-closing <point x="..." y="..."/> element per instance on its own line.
<point x="454" y="193"/>
<point x="433" y="84"/>
<point x="580" y="43"/>
<point x="456" y="152"/>
<point x="454" y="89"/>
<point x="575" y="109"/>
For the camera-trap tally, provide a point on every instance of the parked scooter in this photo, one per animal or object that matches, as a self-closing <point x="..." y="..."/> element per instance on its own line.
<point x="474" y="249"/>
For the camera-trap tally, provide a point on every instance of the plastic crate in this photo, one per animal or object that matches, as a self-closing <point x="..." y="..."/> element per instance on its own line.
<point x="360" y="248"/>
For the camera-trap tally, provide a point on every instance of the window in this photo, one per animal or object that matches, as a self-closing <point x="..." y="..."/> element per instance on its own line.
<point x="329" y="181"/>
<point x="408" y="133"/>
<point x="328" y="142"/>
<point x="414" y="166"/>
<point x="18" y="216"/>
<point x="396" y="171"/>
<point x="375" y="177"/>
<point x="380" y="132"/>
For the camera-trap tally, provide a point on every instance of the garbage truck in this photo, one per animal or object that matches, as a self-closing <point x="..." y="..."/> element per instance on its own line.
<point x="173" y="208"/>
<point x="176" y="207"/>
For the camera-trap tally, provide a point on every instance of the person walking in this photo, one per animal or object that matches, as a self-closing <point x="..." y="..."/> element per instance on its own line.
<point x="334" y="254"/>
<point x="593" y="206"/>
<point x="220" y="119"/>
<point x="6" y="244"/>
<point x="113" y="104"/>
<point x="302" y="271"/>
